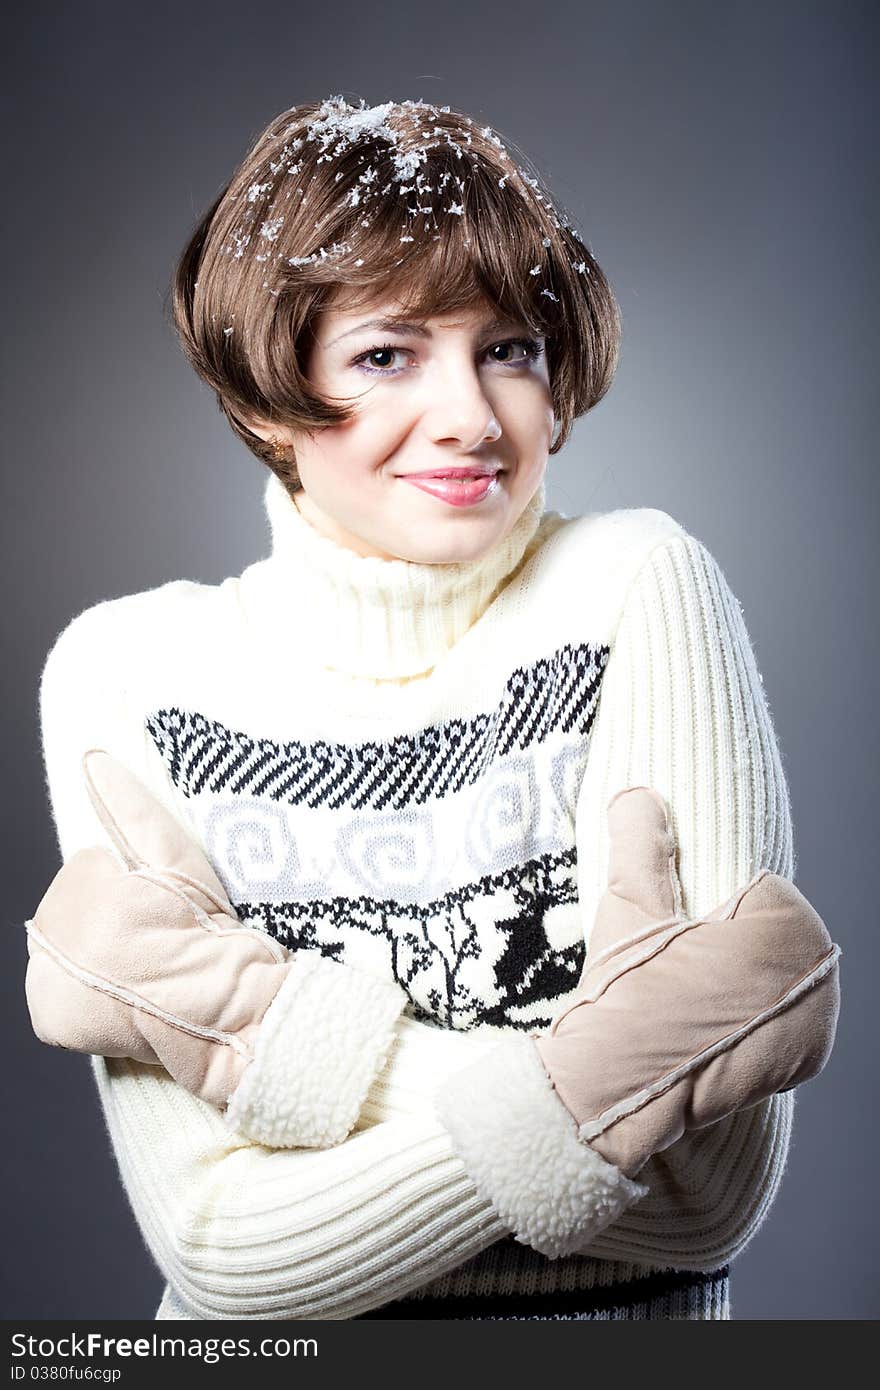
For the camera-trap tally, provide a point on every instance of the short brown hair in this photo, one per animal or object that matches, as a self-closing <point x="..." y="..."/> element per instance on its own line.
<point x="405" y="198"/>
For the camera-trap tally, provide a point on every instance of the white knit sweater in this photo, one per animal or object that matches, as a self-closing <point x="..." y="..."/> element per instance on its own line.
<point x="406" y="768"/>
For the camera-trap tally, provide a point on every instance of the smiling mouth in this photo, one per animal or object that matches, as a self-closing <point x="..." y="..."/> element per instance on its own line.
<point x="455" y="475"/>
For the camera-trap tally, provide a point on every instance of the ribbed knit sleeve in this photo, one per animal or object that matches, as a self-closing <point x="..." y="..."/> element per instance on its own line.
<point x="683" y="710"/>
<point x="244" y="1231"/>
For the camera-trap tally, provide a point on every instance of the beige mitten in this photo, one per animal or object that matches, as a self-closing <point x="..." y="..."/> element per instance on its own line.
<point x="142" y="956"/>
<point x="676" y="1022"/>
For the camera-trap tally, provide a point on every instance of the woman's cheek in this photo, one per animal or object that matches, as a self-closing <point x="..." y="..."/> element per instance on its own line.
<point x="381" y="441"/>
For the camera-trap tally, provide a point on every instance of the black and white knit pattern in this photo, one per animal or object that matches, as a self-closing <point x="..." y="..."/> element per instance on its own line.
<point x="455" y="972"/>
<point x="444" y="859"/>
<point x="558" y="694"/>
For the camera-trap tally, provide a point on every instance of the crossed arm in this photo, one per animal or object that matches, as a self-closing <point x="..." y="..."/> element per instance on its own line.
<point x="241" y="1230"/>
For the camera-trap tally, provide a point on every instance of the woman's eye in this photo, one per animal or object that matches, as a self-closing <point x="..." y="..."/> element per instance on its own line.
<point x="375" y="360"/>
<point x="385" y="353"/>
<point x="529" y="348"/>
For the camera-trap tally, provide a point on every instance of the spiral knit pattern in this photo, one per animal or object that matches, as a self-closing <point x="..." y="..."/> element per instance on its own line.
<point x="466" y="863"/>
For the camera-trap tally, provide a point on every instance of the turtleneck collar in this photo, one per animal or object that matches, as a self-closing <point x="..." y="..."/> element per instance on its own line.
<point x="386" y="619"/>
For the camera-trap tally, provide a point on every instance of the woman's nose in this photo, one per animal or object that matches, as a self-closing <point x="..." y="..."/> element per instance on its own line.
<point x="458" y="409"/>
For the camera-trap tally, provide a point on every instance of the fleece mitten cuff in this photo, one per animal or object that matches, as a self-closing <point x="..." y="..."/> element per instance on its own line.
<point x="521" y="1148"/>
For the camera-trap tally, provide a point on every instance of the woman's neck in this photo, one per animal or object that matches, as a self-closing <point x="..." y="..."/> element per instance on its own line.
<point x="368" y="616"/>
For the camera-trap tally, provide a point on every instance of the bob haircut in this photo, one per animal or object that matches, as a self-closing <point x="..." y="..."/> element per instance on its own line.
<point x="404" y="201"/>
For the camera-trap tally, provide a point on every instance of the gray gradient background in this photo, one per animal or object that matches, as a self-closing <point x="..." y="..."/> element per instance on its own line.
<point x="717" y="159"/>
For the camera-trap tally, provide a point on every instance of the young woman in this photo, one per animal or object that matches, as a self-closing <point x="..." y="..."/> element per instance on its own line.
<point x="379" y="783"/>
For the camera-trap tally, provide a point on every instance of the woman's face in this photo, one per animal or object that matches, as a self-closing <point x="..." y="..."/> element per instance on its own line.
<point x="465" y="391"/>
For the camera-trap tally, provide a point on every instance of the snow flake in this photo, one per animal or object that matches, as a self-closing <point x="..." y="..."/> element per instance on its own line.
<point x="551" y="295"/>
<point x="456" y="208"/>
<point x="335" y="118"/>
<point x="270" y="230"/>
<point x="241" y="242"/>
<point x="405" y="165"/>
<point x="256" y="191"/>
<point x="535" y="270"/>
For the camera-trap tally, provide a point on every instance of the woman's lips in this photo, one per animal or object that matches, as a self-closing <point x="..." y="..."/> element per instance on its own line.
<point x="462" y="493"/>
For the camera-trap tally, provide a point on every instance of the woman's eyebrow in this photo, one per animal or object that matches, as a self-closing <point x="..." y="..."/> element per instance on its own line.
<point x="417" y="329"/>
